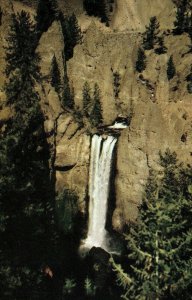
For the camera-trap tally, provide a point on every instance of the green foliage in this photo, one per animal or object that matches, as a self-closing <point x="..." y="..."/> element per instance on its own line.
<point x="96" y="114"/>
<point x="22" y="65"/>
<point x="189" y="82"/>
<point x="130" y="114"/>
<point x="89" y="287"/>
<point x="78" y="116"/>
<point x="181" y="22"/>
<point x="69" y="286"/>
<point x="116" y="83"/>
<point x="141" y="60"/>
<point x="72" y="34"/>
<point x="55" y="75"/>
<point x="168" y="159"/>
<point x="151" y="34"/>
<point x="161" y="48"/>
<point x="68" y="96"/>
<point x="47" y="12"/>
<point x="1" y="14"/>
<point x="87" y="101"/>
<point x="170" y="68"/>
<point x="160" y="244"/>
<point x="123" y="278"/>
<point x="189" y="26"/>
<point x="26" y="219"/>
<point x="20" y="53"/>
<point x="92" y="105"/>
<point x="67" y="210"/>
<point x="189" y="87"/>
<point x="97" y="8"/>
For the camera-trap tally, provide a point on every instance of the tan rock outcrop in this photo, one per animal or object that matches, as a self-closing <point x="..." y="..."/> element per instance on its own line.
<point x="72" y="158"/>
<point x="71" y="145"/>
<point x="50" y="44"/>
<point x="96" y="60"/>
<point x="135" y="14"/>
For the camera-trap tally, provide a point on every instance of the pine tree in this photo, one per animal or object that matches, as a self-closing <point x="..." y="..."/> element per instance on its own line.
<point x="75" y="30"/>
<point x="96" y="114"/>
<point x="1" y="14"/>
<point x="20" y="52"/>
<point x="189" y="30"/>
<point x="26" y="213"/>
<point x="68" y="97"/>
<point x="170" y="68"/>
<point x="67" y="210"/>
<point x="102" y="12"/>
<point x="141" y="61"/>
<point x="181" y="18"/>
<point x="55" y="75"/>
<point x="160" y="244"/>
<point x="89" y="287"/>
<point x="161" y="48"/>
<point x="116" y="84"/>
<point x="47" y="12"/>
<point x="89" y="6"/>
<point x="71" y="32"/>
<point x="151" y="33"/>
<point x="86" y="98"/>
<point x="189" y="80"/>
<point x="189" y="25"/>
<point x="97" y="8"/>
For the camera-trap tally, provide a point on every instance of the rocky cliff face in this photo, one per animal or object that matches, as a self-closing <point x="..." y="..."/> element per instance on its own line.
<point x="133" y="15"/>
<point x="161" y="109"/>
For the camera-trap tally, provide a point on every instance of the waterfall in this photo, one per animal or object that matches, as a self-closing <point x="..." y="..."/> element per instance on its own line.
<point x="99" y="184"/>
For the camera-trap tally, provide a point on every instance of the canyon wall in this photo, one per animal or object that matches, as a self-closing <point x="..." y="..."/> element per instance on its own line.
<point x="161" y="110"/>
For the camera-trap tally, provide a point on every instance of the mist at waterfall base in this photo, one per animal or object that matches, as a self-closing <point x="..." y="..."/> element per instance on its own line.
<point x="99" y="188"/>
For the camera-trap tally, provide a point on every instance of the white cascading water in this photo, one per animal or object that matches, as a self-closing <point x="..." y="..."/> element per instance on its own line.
<point x="99" y="183"/>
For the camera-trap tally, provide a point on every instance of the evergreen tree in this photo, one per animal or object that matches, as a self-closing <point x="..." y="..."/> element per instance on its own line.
<point x="96" y="114"/>
<point x="190" y="47"/>
<point x="97" y="8"/>
<point x="151" y="33"/>
<point x="72" y="34"/>
<point x="75" y="30"/>
<point x="47" y="12"/>
<point x="55" y="75"/>
<point x="67" y="210"/>
<point x="181" y="18"/>
<point x="102" y="12"/>
<point x="86" y="98"/>
<point x="26" y="218"/>
<point x="189" y="26"/>
<point x="160" y="244"/>
<point x="116" y="84"/>
<point x="141" y="60"/>
<point x="20" y="52"/>
<point x="68" y="97"/>
<point x="1" y="14"/>
<point x="189" y="80"/>
<point x="170" y="68"/>
<point x="161" y="48"/>
<point x="189" y="30"/>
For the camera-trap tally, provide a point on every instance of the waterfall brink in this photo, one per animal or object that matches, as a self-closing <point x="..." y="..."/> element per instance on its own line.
<point x="99" y="184"/>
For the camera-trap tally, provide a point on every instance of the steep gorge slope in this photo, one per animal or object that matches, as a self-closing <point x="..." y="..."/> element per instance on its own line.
<point x="135" y="14"/>
<point x="161" y="109"/>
